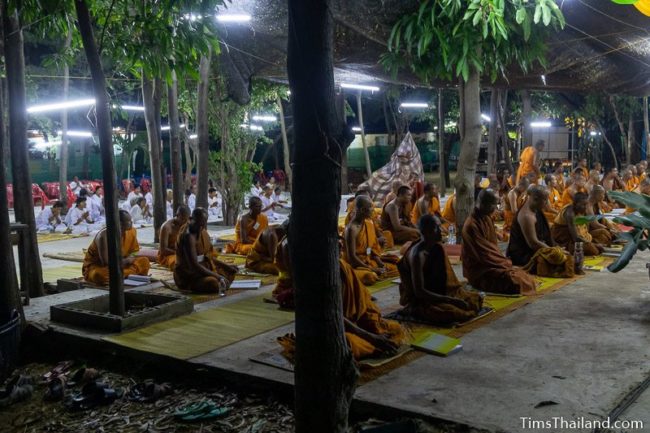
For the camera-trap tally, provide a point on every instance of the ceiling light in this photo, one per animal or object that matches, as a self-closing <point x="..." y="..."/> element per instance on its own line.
<point x="356" y="128"/>
<point x="360" y="87"/>
<point x="544" y="124"/>
<point x="265" y="118"/>
<point x="60" y="105"/>
<point x="193" y="136"/>
<point x="486" y="117"/>
<point x="77" y="133"/>
<point x="414" y="105"/>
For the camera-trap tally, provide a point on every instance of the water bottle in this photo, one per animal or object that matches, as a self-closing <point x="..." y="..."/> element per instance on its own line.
<point x="222" y="288"/>
<point x="451" y="239"/>
<point x="578" y="257"/>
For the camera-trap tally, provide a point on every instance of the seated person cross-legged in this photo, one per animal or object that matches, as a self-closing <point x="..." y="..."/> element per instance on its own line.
<point x="531" y="244"/>
<point x="429" y="288"/>
<point x="95" y="265"/>
<point x="261" y="258"/>
<point x="396" y="218"/>
<point x="248" y="228"/>
<point x="484" y="266"/>
<point x="362" y="249"/>
<point x="168" y="236"/>
<point x="197" y="268"/>
<point x="566" y="232"/>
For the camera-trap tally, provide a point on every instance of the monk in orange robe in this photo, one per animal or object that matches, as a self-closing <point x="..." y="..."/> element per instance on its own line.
<point x="554" y="198"/>
<point x="630" y="180"/>
<point x="514" y="201"/>
<point x="484" y="266"/>
<point x="283" y="290"/>
<point x="362" y="249"/>
<point x="197" y="268"/>
<point x="577" y="186"/>
<point x="529" y="161"/>
<point x="559" y="176"/>
<point x="248" y="228"/>
<point x="168" y="236"/>
<point x="95" y="264"/>
<point x="395" y="217"/>
<point x="427" y="204"/>
<point x="598" y="206"/>
<point x="261" y="257"/>
<point x="641" y="168"/>
<point x="384" y="237"/>
<point x="566" y="232"/>
<point x="429" y="288"/>
<point x="449" y="211"/>
<point x="582" y="168"/>
<point x="366" y="332"/>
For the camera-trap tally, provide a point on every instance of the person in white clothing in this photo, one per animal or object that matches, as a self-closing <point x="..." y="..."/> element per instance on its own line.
<point x="140" y="213"/>
<point x="135" y="194"/>
<point x="149" y="197"/>
<point x="256" y="189"/>
<point x="95" y="206"/>
<point x="277" y="196"/>
<point x="191" y="198"/>
<point x="49" y="220"/>
<point x="78" y="218"/>
<point x="76" y="185"/>
<point x="169" y="202"/>
<point x="268" y="205"/>
<point x="214" y="203"/>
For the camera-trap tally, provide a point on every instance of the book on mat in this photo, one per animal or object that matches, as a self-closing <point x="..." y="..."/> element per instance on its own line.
<point x="134" y="283"/>
<point x="145" y="278"/>
<point x="594" y="268"/>
<point x="246" y="284"/>
<point x="437" y="344"/>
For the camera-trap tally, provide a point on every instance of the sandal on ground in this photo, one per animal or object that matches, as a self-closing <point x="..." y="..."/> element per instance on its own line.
<point x="60" y="369"/>
<point x="93" y="394"/>
<point x="55" y="389"/>
<point x="201" y="411"/>
<point x="149" y="391"/>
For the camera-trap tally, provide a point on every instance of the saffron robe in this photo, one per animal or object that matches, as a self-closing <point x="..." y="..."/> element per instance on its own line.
<point x="169" y="260"/>
<point x="253" y="230"/>
<point x="367" y="241"/>
<point x="484" y="266"/>
<point x="95" y="271"/>
<point x="526" y="162"/>
<point x="562" y="236"/>
<point x="258" y="259"/>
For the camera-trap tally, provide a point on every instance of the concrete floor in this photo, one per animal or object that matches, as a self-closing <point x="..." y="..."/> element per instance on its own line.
<point x="583" y="348"/>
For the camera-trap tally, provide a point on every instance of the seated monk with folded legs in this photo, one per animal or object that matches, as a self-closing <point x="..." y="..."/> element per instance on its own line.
<point x="95" y="265"/>
<point x="362" y="248"/>
<point x="248" y="228"/>
<point x="484" y="266"/>
<point x="515" y="199"/>
<point x="566" y="232"/>
<point x="396" y="218"/>
<point x="531" y="244"/>
<point x="598" y="206"/>
<point x="168" y="236"/>
<point x="261" y="257"/>
<point x="197" y="268"/>
<point x="283" y="290"/>
<point x="430" y="290"/>
<point x="384" y="237"/>
<point x="366" y="332"/>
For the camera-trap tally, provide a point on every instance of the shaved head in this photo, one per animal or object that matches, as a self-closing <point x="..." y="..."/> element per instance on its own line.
<point x="537" y="191"/>
<point x="362" y="200"/>
<point x="487" y="201"/>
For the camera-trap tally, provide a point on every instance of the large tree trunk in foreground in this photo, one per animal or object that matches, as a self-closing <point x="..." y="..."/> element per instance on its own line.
<point x="22" y="179"/>
<point x="646" y="127"/>
<point x="470" y="107"/>
<point x="286" y="155"/>
<point x="63" y="154"/>
<point x="325" y="374"/>
<point x="9" y="294"/>
<point x="152" y="96"/>
<point x="442" y="155"/>
<point x="492" y="133"/>
<point x="103" y="116"/>
<point x="175" y="143"/>
<point x="202" y="132"/>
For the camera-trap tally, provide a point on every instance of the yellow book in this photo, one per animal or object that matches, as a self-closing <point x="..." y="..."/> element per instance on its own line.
<point x="437" y="344"/>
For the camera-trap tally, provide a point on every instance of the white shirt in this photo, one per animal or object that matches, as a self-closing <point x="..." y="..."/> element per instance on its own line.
<point x="132" y="196"/>
<point x="170" y="210"/>
<point x="73" y="216"/>
<point x="95" y="207"/>
<point x="257" y="192"/>
<point x="191" y="202"/>
<point x="267" y="201"/>
<point x="136" y="214"/>
<point x="43" y="218"/>
<point x="149" y="197"/>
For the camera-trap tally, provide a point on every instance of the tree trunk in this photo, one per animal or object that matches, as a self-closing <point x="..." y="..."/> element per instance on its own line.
<point x="508" y="151"/>
<point x="151" y="97"/>
<point x="175" y="143"/>
<point x="340" y="108"/>
<point x="325" y="374"/>
<point x="492" y="137"/>
<point x="63" y="154"/>
<point x="285" y="146"/>
<point x="9" y="294"/>
<point x="202" y="132"/>
<point x="442" y="155"/>
<point x="386" y="122"/>
<point x="646" y="128"/>
<point x="609" y="143"/>
<point x="22" y="179"/>
<point x="621" y="127"/>
<point x="527" y="113"/>
<point x="631" y="142"/>
<point x="103" y="116"/>
<point x="366" y="155"/>
<point x="470" y="107"/>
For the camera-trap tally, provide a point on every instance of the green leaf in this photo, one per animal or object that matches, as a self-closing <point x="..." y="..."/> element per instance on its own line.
<point x="546" y="15"/>
<point x="538" y="14"/>
<point x="628" y="252"/>
<point x="585" y="219"/>
<point x="636" y="221"/>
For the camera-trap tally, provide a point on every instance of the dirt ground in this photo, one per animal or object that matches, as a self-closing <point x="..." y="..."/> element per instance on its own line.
<point x="249" y="413"/>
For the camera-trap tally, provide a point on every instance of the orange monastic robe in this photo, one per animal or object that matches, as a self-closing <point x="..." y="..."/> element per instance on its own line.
<point x="526" y="162"/>
<point x="484" y="266"/>
<point x="367" y="240"/>
<point x="632" y="183"/>
<point x="95" y="271"/>
<point x="376" y="219"/>
<point x="359" y="309"/>
<point x="509" y="214"/>
<point x="434" y="209"/>
<point x="567" y="197"/>
<point x="449" y="211"/>
<point x="169" y="260"/>
<point x="257" y="259"/>
<point x="562" y="236"/>
<point x="253" y="230"/>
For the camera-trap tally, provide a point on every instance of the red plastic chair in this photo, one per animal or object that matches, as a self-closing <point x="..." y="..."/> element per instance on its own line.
<point x="39" y="194"/>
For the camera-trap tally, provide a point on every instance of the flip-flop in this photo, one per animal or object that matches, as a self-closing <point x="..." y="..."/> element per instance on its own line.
<point x="60" y="369"/>
<point x="212" y="413"/>
<point x="201" y="411"/>
<point x="93" y="394"/>
<point x="199" y="407"/>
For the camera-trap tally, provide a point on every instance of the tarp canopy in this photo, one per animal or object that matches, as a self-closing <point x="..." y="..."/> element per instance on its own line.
<point x="605" y="47"/>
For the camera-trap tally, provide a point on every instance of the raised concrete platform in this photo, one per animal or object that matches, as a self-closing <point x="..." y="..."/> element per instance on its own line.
<point x="577" y="352"/>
